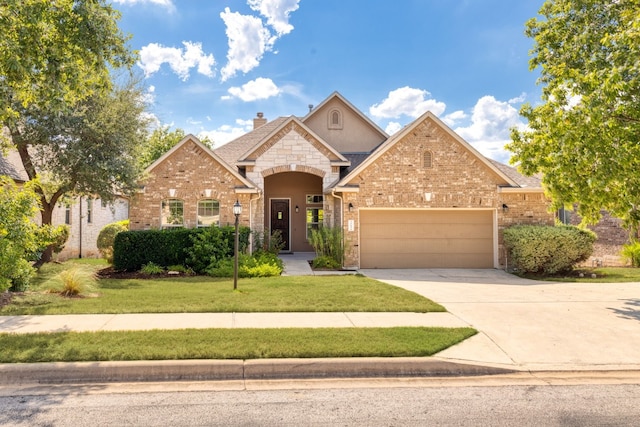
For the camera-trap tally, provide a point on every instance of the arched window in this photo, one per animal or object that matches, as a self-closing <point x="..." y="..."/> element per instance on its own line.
<point x="335" y="119"/>
<point x="172" y="214"/>
<point x="428" y="159"/>
<point x="208" y="212"/>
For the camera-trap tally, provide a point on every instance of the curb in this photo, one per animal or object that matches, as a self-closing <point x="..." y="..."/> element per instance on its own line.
<point x="219" y="370"/>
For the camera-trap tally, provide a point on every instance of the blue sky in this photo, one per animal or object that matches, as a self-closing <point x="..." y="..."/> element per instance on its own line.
<point x="210" y="65"/>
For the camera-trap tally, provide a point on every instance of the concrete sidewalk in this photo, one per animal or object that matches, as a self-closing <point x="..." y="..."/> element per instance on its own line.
<point x="524" y="326"/>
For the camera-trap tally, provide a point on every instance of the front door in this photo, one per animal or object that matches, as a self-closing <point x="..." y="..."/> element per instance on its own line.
<point x="280" y="220"/>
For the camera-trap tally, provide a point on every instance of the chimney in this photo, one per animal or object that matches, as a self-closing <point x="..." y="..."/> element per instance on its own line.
<point x="259" y="121"/>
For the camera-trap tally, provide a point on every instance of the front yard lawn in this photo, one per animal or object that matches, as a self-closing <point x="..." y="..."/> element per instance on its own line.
<point x="603" y="275"/>
<point x="212" y="295"/>
<point x="228" y="344"/>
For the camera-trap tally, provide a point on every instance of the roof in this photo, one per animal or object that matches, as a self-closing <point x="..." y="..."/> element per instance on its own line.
<point x="11" y="165"/>
<point x="521" y="180"/>
<point x="398" y="136"/>
<point x="233" y="150"/>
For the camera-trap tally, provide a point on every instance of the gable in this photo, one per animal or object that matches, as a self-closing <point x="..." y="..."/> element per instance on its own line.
<point x="192" y="161"/>
<point x="344" y="127"/>
<point x="427" y="155"/>
<point x="288" y="138"/>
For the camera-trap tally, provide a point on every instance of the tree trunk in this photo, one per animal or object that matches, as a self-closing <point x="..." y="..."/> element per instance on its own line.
<point x="47" y="216"/>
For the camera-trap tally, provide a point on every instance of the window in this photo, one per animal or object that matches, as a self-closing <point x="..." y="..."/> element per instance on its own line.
<point x="335" y="119"/>
<point x="314" y="219"/>
<point x="89" y="211"/>
<point x="67" y="214"/>
<point x="208" y="213"/>
<point x="564" y="216"/>
<point x="314" y="199"/>
<point x="428" y="159"/>
<point x="172" y="213"/>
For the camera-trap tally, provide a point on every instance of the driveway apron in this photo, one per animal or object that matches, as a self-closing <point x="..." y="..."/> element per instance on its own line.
<point x="532" y="324"/>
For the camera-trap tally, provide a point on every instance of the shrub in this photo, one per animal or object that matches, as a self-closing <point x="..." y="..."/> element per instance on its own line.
<point x="107" y="236"/>
<point x="133" y="249"/>
<point x="328" y="242"/>
<point x="631" y="252"/>
<point x="151" y="269"/>
<point x="325" y="262"/>
<point x="214" y="244"/>
<point x="261" y="264"/>
<point x="547" y="249"/>
<point x="263" y="242"/>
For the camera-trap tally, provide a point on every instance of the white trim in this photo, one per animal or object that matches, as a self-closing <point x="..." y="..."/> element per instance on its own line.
<point x="520" y="190"/>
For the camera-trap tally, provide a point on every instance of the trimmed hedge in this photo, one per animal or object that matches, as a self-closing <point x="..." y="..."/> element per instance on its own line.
<point x="547" y="249"/>
<point x="133" y="249"/>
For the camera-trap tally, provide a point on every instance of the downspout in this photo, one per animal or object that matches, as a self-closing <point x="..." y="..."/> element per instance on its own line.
<point x="333" y="193"/>
<point x="251" y="217"/>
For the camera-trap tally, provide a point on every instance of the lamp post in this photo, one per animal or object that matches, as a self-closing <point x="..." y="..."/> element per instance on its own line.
<point x="237" y="210"/>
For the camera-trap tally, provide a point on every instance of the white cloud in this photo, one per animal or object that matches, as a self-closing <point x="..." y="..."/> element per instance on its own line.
<point x="407" y="101"/>
<point x="393" y="127"/>
<point x="518" y="99"/>
<point x="277" y="13"/>
<point x="164" y="3"/>
<point x="180" y="60"/>
<point x="489" y="131"/>
<point x="226" y="133"/>
<point x="248" y="41"/>
<point x="259" y="88"/>
<point x="452" y="118"/>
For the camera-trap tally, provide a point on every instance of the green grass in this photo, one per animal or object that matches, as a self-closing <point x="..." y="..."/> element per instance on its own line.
<point x="203" y="294"/>
<point x="604" y="275"/>
<point x="228" y="344"/>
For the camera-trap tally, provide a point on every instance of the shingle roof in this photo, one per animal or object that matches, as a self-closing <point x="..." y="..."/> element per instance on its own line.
<point x="521" y="180"/>
<point x="233" y="150"/>
<point x="11" y="165"/>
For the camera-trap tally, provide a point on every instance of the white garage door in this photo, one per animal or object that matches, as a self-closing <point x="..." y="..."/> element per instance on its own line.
<point x="426" y="239"/>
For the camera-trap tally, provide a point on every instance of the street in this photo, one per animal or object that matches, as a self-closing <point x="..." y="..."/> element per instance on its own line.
<point x="508" y="401"/>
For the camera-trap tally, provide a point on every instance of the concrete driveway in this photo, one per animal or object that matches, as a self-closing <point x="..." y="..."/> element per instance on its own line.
<point x="533" y="325"/>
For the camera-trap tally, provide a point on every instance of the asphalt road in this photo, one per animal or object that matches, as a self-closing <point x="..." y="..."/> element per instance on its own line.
<point x="472" y="402"/>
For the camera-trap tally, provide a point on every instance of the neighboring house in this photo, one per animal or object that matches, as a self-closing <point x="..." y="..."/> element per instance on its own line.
<point x="422" y="198"/>
<point x="85" y="216"/>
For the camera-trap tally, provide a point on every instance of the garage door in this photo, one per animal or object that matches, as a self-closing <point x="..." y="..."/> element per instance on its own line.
<point x="426" y="239"/>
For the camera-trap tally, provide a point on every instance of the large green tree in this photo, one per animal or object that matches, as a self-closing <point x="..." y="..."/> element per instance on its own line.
<point x="91" y="149"/>
<point x="161" y="140"/>
<point x="73" y="122"/>
<point x="56" y="52"/>
<point x="584" y="137"/>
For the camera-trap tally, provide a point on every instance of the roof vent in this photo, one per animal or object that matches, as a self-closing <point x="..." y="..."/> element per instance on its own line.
<point x="259" y="121"/>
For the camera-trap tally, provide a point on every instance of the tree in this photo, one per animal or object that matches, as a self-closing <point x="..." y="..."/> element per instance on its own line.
<point x="585" y="135"/>
<point x="21" y="239"/>
<point x="90" y="149"/>
<point x="160" y="141"/>
<point x="57" y="52"/>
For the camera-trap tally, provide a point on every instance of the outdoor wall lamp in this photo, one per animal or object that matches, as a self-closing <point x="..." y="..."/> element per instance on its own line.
<point x="350" y="206"/>
<point x="505" y="208"/>
<point x="237" y="210"/>
<point x="297" y="209"/>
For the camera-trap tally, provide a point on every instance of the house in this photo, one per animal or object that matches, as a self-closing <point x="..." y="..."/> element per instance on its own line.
<point x="85" y="216"/>
<point x="422" y="198"/>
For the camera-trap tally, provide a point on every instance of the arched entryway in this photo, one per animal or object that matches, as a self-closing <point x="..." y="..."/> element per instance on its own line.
<point x="293" y="205"/>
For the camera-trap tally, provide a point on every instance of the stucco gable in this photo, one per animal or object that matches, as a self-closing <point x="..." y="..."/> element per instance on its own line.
<point x="292" y="124"/>
<point x="192" y="143"/>
<point x="427" y="131"/>
<point x="351" y="132"/>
